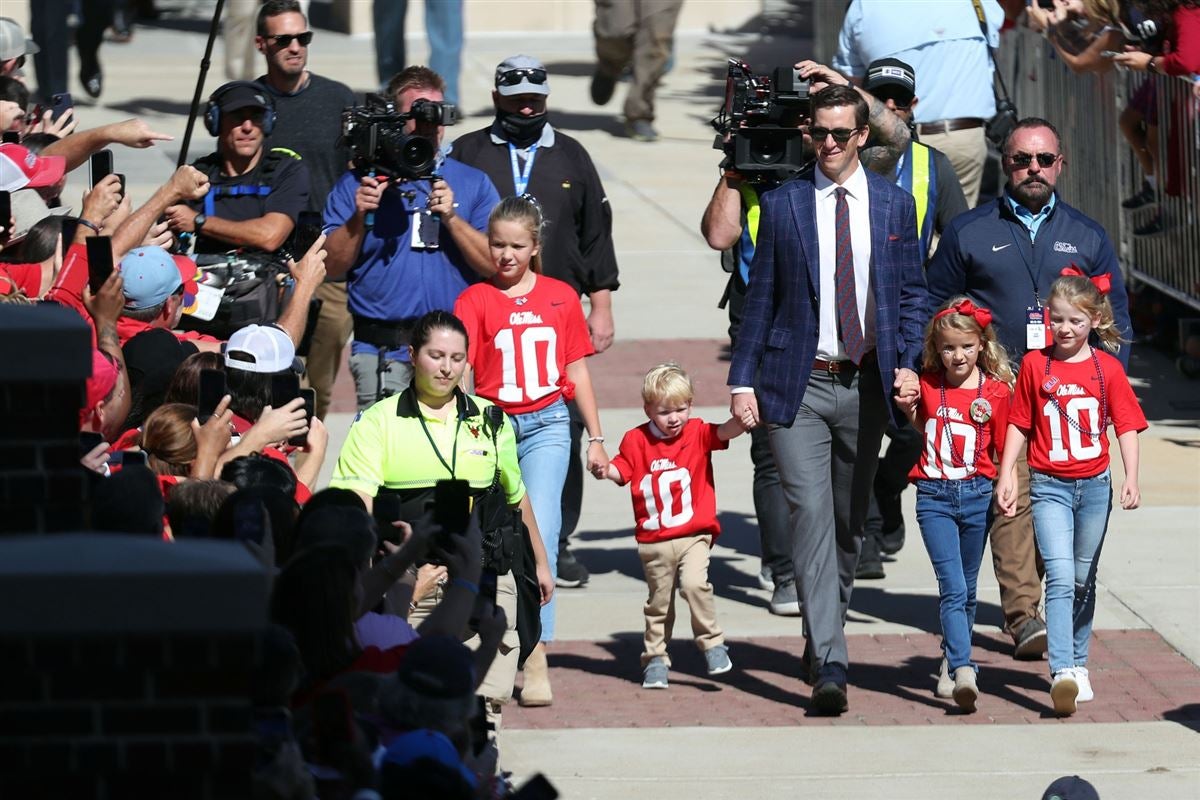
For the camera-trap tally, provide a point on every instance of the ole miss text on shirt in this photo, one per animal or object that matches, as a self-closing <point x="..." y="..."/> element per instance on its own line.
<point x="1061" y="414"/>
<point x="952" y="438"/>
<point x="519" y="347"/>
<point x="671" y="480"/>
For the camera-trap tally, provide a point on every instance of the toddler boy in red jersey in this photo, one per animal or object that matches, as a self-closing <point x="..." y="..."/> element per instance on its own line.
<point x="667" y="464"/>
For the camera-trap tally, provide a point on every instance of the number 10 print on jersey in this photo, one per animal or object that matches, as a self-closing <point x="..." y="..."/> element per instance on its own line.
<point x="520" y="346"/>
<point x="670" y="480"/>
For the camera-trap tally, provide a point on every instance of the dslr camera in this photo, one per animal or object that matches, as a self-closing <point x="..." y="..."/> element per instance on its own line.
<point x="375" y="133"/>
<point x="758" y="127"/>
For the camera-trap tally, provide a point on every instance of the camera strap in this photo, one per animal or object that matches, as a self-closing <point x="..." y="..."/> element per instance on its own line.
<point x="521" y="178"/>
<point x="998" y="87"/>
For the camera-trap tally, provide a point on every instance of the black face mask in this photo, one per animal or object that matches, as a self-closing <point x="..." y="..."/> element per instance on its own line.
<point x="520" y="129"/>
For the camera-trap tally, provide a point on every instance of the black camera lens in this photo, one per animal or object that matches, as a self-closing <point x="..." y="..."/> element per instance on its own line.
<point x="410" y="156"/>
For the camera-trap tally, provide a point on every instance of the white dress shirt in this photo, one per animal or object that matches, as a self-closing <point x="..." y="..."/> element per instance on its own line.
<point x="829" y="344"/>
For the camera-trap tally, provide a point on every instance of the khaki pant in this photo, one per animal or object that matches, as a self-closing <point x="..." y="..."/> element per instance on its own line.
<point x="687" y="558"/>
<point x="497" y="685"/>
<point x="967" y="151"/>
<point x="641" y="33"/>
<point x="334" y="325"/>
<point x="1015" y="559"/>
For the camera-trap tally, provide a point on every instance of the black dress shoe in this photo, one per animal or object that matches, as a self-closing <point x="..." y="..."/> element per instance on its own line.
<point x="870" y="561"/>
<point x="602" y="87"/>
<point x="829" y="696"/>
<point x="92" y="84"/>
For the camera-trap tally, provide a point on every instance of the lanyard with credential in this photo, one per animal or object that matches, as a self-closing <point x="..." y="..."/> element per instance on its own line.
<point x="521" y="179"/>
<point x="454" y="455"/>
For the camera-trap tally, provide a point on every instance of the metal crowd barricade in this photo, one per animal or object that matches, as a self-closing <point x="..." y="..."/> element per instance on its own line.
<point x="1101" y="169"/>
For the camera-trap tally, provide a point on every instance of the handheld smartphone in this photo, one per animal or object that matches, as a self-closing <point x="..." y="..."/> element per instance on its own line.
<point x="100" y="261"/>
<point x="101" y="165"/>
<point x="6" y="212"/>
<point x="538" y="787"/>
<point x="452" y="506"/>
<point x="11" y="137"/>
<point x="310" y="405"/>
<point x="121" y="178"/>
<point x="308" y="230"/>
<point x="285" y="387"/>
<point x="487" y="591"/>
<point x="89" y="441"/>
<point x="133" y="458"/>
<point x="209" y="393"/>
<point x="59" y="104"/>
<point x="333" y="722"/>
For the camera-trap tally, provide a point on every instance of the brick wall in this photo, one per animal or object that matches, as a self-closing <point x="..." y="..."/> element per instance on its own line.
<point x="125" y="667"/>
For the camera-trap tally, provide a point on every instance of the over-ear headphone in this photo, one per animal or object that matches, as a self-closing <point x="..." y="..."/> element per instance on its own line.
<point x="212" y="112"/>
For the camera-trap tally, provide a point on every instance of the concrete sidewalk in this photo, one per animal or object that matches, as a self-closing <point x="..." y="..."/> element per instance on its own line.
<point x="901" y="743"/>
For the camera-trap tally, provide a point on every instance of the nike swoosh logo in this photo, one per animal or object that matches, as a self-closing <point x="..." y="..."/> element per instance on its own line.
<point x="998" y="248"/>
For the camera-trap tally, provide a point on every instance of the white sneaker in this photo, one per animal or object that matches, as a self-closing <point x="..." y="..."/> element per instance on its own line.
<point x="1085" y="685"/>
<point x="1064" y="689"/>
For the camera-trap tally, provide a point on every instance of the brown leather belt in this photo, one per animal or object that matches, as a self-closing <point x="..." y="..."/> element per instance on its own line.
<point x="846" y="365"/>
<point x="949" y="125"/>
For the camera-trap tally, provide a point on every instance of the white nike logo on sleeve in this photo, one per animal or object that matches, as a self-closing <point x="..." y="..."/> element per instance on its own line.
<point x="996" y="248"/>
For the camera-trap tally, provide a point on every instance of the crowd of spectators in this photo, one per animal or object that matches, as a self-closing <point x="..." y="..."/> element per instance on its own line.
<point x="196" y="425"/>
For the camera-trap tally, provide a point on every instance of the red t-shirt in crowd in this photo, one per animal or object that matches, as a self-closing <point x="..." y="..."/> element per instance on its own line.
<point x="26" y="277"/>
<point x="671" y="480"/>
<point x="519" y="347"/>
<point x="951" y="456"/>
<point x="1061" y="414"/>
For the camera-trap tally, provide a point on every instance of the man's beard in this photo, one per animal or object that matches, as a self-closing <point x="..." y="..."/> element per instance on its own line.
<point x="1032" y="190"/>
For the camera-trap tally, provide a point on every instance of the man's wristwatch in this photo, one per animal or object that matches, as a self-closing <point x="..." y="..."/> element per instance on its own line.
<point x="198" y="222"/>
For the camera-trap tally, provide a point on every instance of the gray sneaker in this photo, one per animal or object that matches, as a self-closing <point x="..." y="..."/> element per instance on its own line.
<point x="654" y="676"/>
<point x="717" y="659"/>
<point x="1031" y="640"/>
<point x="641" y="130"/>
<point x="784" y="600"/>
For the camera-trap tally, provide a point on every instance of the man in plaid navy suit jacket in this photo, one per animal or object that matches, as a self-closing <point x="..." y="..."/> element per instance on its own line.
<point x="826" y="396"/>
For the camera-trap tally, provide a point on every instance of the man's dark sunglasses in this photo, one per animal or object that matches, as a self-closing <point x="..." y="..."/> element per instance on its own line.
<point x="285" y="39"/>
<point x="840" y="135"/>
<point x="1045" y="160"/>
<point x="515" y="76"/>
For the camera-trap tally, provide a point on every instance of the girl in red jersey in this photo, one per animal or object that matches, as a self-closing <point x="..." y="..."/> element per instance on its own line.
<point x="963" y="412"/>
<point x="1066" y="396"/>
<point x="527" y="343"/>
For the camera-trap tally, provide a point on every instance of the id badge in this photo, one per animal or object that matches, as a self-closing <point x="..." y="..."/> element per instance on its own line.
<point x="424" y="230"/>
<point x="1035" y="328"/>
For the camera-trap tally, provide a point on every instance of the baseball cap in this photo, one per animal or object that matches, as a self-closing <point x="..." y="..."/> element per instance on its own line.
<point x="152" y="275"/>
<point x="892" y="73"/>
<point x="104" y="378"/>
<point x="522" y="75"/>
<point x="28" y="209"/>
<point x="424" y="743"/>
<point x="260" y="348"/>
<point x="20" y="169"/>
<point x="242" y="95"/>
<point x="1070" y="787"/>
<point x="13" y="41"/>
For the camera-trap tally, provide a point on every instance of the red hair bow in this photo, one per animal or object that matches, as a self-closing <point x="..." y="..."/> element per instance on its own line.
<point x="982" y="316"/>
<point x="1102" y="282"/>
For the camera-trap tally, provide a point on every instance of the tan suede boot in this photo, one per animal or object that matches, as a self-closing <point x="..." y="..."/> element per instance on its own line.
<point x="536" y="691"/>
<point x="945" y="684"/>
<point x="966" y="692"/>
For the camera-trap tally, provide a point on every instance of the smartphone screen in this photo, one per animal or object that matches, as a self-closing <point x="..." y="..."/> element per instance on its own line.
<point x="133" y="458"/>
<point x="101" y="165"/>
<point x="308" y="229"/>
<point x="100" y="261"/>
<point x="209" y="394"/>
<point x="11" y="137"/>
<point x="6" y="212"/>
<point x="121" y="178"/>
<point x="89" y="441"/>
<point x="452" y="506"/>
<point x="59" y="104"/>
<point x="285" y="387"/>
<point x="310" y="405"/>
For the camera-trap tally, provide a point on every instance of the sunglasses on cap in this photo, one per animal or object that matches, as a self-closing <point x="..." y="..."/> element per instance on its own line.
<point x="285" y="39"/>
<point x="1045" y="160"/>
<point x="514" y="76"/>
<point x="840" y="135"/>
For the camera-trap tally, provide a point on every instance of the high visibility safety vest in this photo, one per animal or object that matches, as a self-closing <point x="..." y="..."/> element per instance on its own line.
<point x="917" y="174"/>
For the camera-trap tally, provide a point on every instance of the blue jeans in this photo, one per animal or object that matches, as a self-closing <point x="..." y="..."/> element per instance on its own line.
<point x="443" y="26"/>
<point x="543" y="450"/>
<point x="1070" y="518"/>
<point x="954" y="517"/>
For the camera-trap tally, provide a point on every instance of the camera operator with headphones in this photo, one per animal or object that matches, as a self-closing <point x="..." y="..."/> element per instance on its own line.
<point x="406" y="226"/>
<point x="256" y="194"/>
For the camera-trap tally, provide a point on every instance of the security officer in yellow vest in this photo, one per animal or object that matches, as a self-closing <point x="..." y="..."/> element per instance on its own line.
<point x="927" y="174"/>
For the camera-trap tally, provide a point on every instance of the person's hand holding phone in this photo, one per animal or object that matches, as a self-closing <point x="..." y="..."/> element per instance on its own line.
<point x="462" y="553"/>
<point x="212" y="439"/>
<point x="106" y="305"/>
<point x="63" y="126"/>
<point x="96" y="459"/>
<point x="159" y="235"/>
<point x="101" y="201"/>
<point x="310" y="269"/>
<point x="277" y="425"/>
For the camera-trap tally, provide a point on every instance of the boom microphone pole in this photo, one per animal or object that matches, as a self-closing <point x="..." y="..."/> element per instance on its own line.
<point x="204" y="64"/>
